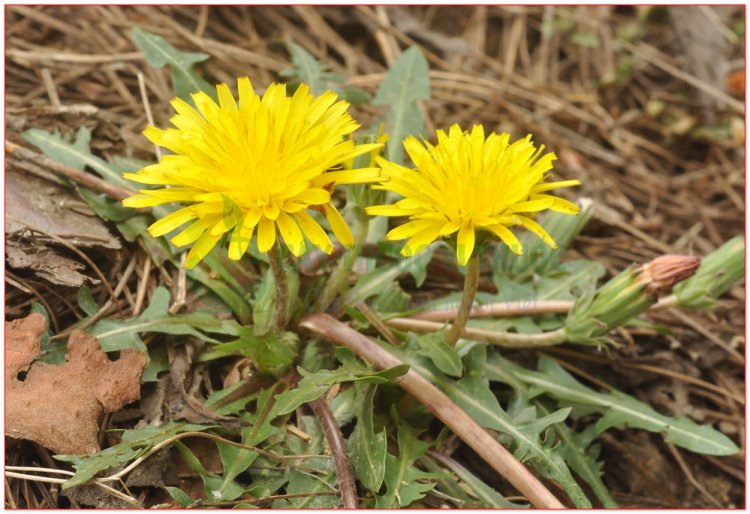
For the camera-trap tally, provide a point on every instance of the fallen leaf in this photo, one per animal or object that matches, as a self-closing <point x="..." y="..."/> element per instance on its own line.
<point x="59" y="407"/>
<point x="31" y="202"/>
<point x="47" y="264"/>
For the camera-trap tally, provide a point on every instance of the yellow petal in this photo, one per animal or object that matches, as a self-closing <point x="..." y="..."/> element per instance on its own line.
<point x="200" y="249"/>
<point x="339" y="226"/>
<point x="242" y="235"/>
<point x="465" y="244"/>
<point x="314" y="232"/>
<point x="153" y="134"/>
<point x="225" y="224"/>
<point x="271" y="211"/>
<point x="554" y="185"/>
<point x="531" y="206"/>
<point x="450" y="227"/>
<point x="420" y="241"/>
<point x="266" y="234"/>
<point x="559" y="204"/>
<point x="194" y="231"/>
<point x="291" y="234"/>
<point x="507" y="237"/>
<point x="141" y="200"/>
<point x="245" y="92"/>
<point x="386" y="210"/>
<point x="536" y="228"/>
<point x="411" y="228"/>
<point x="172" y="221"/>
<point x="314" y="196"/>
<point x="357" y="176"/>
<point x="226" y="100"/>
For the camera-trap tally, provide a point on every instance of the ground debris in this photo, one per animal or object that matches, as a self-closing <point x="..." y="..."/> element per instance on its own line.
<point x="59" y="406"/>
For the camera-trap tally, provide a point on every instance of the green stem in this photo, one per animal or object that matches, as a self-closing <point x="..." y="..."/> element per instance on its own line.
<point x="471" y="283"/>
<point x="281" y="302"/>
<point x="507" y="339"/>
<point x="338" y="281"/>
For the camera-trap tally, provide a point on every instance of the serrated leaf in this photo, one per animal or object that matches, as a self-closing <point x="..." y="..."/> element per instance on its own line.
<point x="308" y="70"/>
<point x="306" y="482"/>
<point x="272" y="352"/>
<point x="442" y="355"/>
<point x="122" y="334"/>
<point x="407" y="81"/>
<point x="367" y="449"/>
<point x="401" y="475"/>
<point x="622" y="410"/>
<point x="473" y="395"/>
<point x="75" y="154"/>
<point x="134" y="443"/>
<point x="235" y="460"/>
<point x="314" y="385"/>
<point x="574" y="445"/>
<point x="160" y="53"/>
<point x="344" y="406"/>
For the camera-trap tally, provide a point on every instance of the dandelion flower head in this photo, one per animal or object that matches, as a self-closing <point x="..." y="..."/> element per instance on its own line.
<point x="468" y="183"/>
<point x="252" y="167"/>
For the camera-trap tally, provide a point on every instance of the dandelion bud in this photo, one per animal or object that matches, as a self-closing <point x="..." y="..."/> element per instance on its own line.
<point x="625" y="296"/>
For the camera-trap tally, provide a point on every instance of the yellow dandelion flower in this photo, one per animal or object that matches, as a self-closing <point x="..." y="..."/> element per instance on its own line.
<point x="256" y="166"/>
<point x="468" y="183"/>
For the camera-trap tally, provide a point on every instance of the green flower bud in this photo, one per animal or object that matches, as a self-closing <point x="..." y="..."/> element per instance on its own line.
<point x="624" y="297"/>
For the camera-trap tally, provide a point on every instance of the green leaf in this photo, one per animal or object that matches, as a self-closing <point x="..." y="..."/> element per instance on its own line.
<point x="272" y="353"/>
<point x="407" y="81"/>
<point x="377" y="281"/>
<point x="479" y="489"/>
<point x="307" y="69"/>
<point x="134" y="443"/>
<point x="160" y="53"/>
<point x="86" y="301"/>
<point x="442" y="355"/>
<point x="235" y="460"/>
<point x="204" y="274"/>
<point x="320" y="478"/>
<point x="620" y="410"/>
<point x="314" y="385"/>
<point x="573" y="447"/>
<point x="75" y="154"/>
<point x="401" y="476"/>
<point x="180" y="496"/>
<point x="473" y="395"/>
<point x="367" y="449"/>
<point x="122" y="334"/>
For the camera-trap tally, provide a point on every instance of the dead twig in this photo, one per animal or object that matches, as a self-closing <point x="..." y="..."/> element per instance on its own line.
<point x="441" y="406"/>
<point x="338" y="449"/>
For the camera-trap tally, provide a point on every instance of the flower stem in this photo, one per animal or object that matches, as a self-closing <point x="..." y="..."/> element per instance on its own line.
<point x="471" y="283"/>
<point x="281" y="302"/>
<point x="506" y="339"/>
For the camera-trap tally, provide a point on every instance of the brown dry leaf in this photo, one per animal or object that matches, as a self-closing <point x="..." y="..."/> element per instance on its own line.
<point x="47" y="263"/>
<point x="38" y="204"/>
<point x="59" y="406"/>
